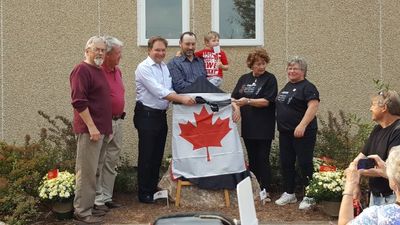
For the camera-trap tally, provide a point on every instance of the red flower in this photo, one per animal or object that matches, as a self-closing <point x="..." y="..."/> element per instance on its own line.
<point x="52" y="174"/>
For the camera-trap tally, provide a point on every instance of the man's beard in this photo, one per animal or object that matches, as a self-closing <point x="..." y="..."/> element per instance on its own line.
<point x="189" y="53"/>
<point x="98" y="61"/>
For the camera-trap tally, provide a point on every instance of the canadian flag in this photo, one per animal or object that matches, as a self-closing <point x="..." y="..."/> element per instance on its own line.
<point x="205" y="140"/>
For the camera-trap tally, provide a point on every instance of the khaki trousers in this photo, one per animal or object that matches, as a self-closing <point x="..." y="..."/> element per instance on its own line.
<point x="106" y="172"/>
<point x="87" y="160"/>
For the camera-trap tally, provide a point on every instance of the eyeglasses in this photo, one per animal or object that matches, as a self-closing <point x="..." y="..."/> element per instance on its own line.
<point x="98" y="50"/>
<point x="293" y="69"/>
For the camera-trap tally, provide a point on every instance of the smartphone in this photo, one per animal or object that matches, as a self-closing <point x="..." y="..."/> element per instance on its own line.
<point x="366" y="164"/>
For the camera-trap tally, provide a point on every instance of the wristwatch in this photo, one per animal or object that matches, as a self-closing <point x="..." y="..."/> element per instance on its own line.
<point x="248" y="101"/>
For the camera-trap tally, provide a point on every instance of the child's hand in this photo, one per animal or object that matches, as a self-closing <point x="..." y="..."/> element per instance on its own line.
<point x="220" y="65"/>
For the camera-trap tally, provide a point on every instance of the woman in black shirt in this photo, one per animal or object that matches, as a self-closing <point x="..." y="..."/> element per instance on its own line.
<point x="255" y="93"/>
<point x="296" y="106"/>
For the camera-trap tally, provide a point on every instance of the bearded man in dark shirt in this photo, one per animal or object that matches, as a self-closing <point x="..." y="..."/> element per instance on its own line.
<point x="91" y="100"/>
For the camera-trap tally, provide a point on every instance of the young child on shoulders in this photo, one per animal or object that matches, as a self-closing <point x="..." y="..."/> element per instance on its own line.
<point x="215" y="59"/>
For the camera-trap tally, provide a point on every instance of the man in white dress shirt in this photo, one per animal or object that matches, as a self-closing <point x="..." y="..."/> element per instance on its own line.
<point x="153" y="95"/>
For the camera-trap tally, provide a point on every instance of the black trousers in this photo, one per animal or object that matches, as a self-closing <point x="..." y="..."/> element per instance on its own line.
<point x="300" y="149"/>
<point x="152" y="129"/>
<point x="258" y="153"/>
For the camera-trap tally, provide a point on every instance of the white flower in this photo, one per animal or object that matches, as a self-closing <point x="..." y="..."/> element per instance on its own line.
<point x="60" y="187"/>
<point x="326" y="185"/>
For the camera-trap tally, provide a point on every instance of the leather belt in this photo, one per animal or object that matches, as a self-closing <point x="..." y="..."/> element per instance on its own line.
<point x="121" y="116"/>
<point x="140" y="106"/>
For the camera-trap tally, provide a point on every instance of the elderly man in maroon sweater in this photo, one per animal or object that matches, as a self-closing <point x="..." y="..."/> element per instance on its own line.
<point x="90" y="94"/>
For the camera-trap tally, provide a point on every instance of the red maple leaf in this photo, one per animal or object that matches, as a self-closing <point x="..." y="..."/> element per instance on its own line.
<point x="205" y="134"/>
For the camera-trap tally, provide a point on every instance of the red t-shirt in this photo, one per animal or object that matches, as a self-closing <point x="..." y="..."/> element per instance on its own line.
<point x="210" y="61"/>
<point x="114" y="78"/>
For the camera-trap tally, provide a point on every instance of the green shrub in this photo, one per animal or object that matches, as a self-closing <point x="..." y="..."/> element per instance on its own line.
<point x="24" y="209"/>
<point x="59" y="142"/>
<point x="165" y="163"/>
<point x="341" y="138"/>
<point x="126" y="180"/>
<point x="276" y="177"/>
<point x="22" y="168"/>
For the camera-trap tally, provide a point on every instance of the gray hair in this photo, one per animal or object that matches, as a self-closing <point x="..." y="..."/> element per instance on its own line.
<point x="300" y="61"/>
<point x="391" y="99"/>
<point x="393" y="164"/>
<point x="94" y="40"/>
<point x="112" y="42"/>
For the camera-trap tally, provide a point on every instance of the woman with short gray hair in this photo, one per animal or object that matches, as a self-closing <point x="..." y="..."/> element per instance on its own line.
<point x="296" y="106"/>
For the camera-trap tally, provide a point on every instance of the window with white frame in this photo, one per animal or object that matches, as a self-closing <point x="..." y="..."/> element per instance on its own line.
<point x="162" y="18"/>
<point x="239" y="22"/>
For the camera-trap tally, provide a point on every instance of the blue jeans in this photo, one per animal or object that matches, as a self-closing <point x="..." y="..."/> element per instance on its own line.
<point x="217" y="81"/>
<point x="379" y="200"/>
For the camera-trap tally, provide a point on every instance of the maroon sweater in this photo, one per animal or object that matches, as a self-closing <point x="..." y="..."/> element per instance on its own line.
<point x="89" y="89"/>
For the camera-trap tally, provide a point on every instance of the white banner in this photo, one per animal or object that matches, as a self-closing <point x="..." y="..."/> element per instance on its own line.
<point x="205" y="143"/>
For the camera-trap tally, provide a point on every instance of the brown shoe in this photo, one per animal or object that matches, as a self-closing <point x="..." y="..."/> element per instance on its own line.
<point x="101" y="207"/>
<point x="87" y="220"/>
<point x="112" y="205"/>
<point x="98" y="212"/>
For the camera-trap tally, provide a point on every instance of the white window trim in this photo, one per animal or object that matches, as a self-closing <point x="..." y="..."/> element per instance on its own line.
<point x="141" y="22"/>
<point x="258" y="41"/>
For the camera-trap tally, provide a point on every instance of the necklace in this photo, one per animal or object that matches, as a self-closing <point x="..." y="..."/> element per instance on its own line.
<point x="255" y="81"/>
<point x="249" y="80"/>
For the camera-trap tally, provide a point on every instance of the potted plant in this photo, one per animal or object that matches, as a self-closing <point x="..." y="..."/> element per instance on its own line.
<point x="58" y="189"/>
<point x="326" y="187"/>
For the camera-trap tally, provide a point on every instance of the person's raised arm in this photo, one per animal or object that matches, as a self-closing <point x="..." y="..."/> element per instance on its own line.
<point x="357" y="190"/>
<point x="378" y="171"/>
<point x="346" y="213"/>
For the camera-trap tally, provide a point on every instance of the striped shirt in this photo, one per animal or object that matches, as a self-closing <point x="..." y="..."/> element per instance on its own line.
<point x="184" y="72"/>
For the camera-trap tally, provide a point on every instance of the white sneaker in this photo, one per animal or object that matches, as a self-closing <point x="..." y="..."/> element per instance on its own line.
<point x="286" y="199"/>
<point x="268" y="197"/>
<point x="307" y="203"/>
<point x="265" y="196"/>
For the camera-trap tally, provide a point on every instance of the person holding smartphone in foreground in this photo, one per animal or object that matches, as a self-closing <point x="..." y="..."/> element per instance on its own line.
<point x="385" y="111"/>
<point x="384" y="214"/>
